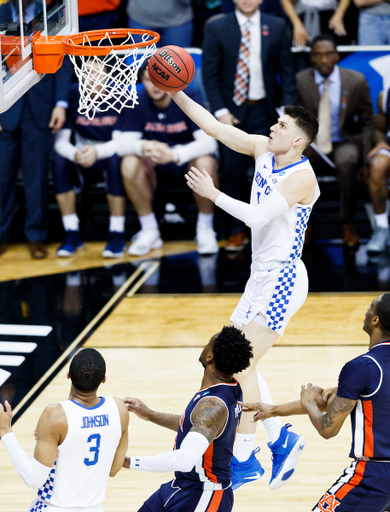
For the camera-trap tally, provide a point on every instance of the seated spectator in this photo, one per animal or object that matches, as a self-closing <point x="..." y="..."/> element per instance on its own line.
<point x="161" y="143"/>
<point x="340" y="98"/>
<point x="311" y="18"/>
<point x="98" y="15"/>
<point x="374" y="22"/>
<point x="93" y="151"/>
<point x="379" y="158"/>
<point x="172" y="19"/>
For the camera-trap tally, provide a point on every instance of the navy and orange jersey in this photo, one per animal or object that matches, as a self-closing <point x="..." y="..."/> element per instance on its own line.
<point x="99" y="128"/>
<point x="215" y="465"/>
<point x="386" y="110"/>
<point x="170" y="125"/>
<point x="367" y="380"/>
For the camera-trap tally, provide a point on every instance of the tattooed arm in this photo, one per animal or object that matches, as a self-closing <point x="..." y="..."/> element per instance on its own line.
<point x="209" y="418"/>
<point x="171" y="421"/>
<point x="328" y="424"/>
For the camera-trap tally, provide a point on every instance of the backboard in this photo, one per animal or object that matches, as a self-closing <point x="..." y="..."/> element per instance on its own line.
<point x="19" y="21"/>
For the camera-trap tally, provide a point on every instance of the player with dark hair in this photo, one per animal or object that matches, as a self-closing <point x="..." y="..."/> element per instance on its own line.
<point x="80" y="442"/>
<point x="284" y="191"/>
<point x="364" y="393"/>
<point x="205" y="433"/>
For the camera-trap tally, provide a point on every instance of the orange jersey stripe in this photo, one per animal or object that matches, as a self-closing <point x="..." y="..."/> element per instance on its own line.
<point x="368" y="435"/>
<point x="215" y="502"/>
<point x="208" y="463"/>
<point x="355" y="480"/>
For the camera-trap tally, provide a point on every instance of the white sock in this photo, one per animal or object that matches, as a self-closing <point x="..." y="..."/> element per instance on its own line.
<point x="381" y="220"/>
<point x="245" y="444"/>
<point x="70" y="222"/>
<point x="117" y="223"/>
<point x="205" y="220"/>
<point x="272" y="425"/>
<point x="148" y="221"/>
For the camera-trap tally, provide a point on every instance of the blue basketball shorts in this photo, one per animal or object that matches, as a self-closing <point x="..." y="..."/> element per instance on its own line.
<point x="364" y="487"/>
<point x="274" y="292"/>
<point x="172" y="497"/>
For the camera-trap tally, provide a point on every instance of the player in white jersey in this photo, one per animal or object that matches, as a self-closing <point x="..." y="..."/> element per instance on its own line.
<point x="80" y="442"/>
<point x="283" y="193"/>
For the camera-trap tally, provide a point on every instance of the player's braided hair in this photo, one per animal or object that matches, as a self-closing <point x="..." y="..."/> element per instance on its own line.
<point x="304" y="119"/>
<point x="87" y="370"/>
<point x="382" y="308"/>
<point x="232" y="351"/>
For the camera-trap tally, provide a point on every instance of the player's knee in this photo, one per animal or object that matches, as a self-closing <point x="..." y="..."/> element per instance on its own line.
<point x="207" y="162"/>
<point x="379" y="168"/>
<point x="131" y="167"/>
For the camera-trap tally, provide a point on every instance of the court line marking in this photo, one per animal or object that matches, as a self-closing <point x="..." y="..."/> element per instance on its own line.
<point x="80" y="337"/>
<point x="144" y="278"/>
<point x="25" y="330"/>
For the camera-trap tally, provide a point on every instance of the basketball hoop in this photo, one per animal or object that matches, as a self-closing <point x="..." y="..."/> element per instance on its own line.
<point x="107" y="72"/>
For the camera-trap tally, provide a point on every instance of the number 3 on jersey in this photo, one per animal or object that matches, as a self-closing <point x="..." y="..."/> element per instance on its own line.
<point x="94" y="439"/>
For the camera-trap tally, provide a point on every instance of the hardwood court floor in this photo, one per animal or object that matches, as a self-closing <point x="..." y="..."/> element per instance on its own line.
<point x="165" y="378"/>
<point x="151" y="346"/>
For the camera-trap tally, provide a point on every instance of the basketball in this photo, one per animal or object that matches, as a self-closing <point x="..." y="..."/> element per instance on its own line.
<point x="171" y="68"/>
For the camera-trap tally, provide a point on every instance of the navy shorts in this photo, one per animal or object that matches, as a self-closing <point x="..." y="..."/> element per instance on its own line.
<point x="171" y="176"/>
<point x="174" y="498"/>
<point x="364" y="487"/>
<point x="70" y="176"/>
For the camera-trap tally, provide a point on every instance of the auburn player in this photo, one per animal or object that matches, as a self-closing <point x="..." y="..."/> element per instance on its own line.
<point x="205" y="433"/>
<point x="80" y="442"/>
<point x="364" y="393"/>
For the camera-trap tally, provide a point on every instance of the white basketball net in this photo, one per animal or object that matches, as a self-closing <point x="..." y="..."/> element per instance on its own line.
<point x="109" y="81"/>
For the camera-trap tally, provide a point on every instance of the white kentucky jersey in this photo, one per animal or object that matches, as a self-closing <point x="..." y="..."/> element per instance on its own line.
<point x="281" y="239"/>
<point x="79" y="476"/>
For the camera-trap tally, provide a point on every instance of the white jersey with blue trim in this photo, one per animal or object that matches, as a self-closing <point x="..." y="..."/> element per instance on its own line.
<point x="79" y="476"/>
<point x="281" y="239"/>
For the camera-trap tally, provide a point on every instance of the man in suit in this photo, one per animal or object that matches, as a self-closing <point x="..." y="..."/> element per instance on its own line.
<point x="243" y="54"/>
<point x="340" y="98"/>
<point x="26" y="139"/>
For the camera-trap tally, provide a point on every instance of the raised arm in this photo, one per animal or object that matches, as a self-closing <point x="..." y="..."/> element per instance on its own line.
<point x="51" y="431"/>
<point x="120" y="453"/>
<point x="208" y="420"/>
<point x="232" y="137"/>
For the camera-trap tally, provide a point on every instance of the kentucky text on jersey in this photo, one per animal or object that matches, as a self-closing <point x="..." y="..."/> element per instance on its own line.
<point x="94" y="421"/>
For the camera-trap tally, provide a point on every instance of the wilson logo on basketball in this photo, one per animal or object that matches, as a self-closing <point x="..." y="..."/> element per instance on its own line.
<point x="161" y="72"/>
<point x="169" y="60"/>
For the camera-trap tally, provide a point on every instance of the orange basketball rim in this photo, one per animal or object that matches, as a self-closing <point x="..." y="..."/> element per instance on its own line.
<point x="49" y="51"/>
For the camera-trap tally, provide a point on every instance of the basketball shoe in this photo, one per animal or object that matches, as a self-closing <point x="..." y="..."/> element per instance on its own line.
<point x="206" y="241"/>
<point x="116" y="245"/>
<point x="144" y="241"/>
<point x="71" y="243"/>
<point x="285" y="454"/>
<point x="247" y="471"/>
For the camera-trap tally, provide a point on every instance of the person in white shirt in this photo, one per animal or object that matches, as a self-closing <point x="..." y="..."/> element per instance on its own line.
<point x="80" y="442"/>
<point x="284" y="190"/>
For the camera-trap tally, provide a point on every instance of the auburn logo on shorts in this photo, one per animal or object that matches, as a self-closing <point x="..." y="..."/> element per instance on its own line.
<point x="328" y="503"/>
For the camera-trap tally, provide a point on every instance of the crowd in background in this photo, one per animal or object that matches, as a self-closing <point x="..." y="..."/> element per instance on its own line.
<point x="142" y="151"/>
